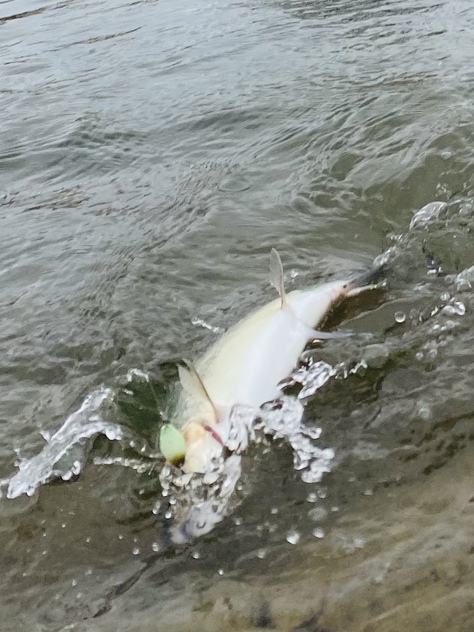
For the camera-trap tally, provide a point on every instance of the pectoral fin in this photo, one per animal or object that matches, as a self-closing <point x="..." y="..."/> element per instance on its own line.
<point x="314" y="334"/>
<point x="193" y="384"/>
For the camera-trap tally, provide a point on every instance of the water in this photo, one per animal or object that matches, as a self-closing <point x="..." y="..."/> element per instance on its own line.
<point x="151" y="155"/>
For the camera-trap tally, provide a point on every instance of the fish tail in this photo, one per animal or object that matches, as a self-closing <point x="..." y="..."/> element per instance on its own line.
<point x="366" y="281"/>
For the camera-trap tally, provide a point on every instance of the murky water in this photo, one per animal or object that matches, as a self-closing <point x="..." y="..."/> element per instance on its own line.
<point x="151" y="154"/>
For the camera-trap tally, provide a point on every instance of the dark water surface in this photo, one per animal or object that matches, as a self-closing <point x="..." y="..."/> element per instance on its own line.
<point x="151" y="154"/>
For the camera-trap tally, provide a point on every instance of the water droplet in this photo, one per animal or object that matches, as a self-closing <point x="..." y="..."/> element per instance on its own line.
<point x="399" y="317"/>
<point x="293" y="537"/>
<point x="136" y="550"/>
<point x="317" y="514"/>
<point x="459" y="308"/>
<point x="318" y="533"/>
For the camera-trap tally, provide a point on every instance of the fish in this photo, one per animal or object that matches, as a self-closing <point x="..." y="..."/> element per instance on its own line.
<point x="247" y="364"/>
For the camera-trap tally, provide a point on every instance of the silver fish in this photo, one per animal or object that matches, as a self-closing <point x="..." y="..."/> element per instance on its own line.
<point x="246" y="365"/>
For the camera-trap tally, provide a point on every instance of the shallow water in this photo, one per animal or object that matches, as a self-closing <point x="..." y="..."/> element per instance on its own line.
<point x="151" y="155"/>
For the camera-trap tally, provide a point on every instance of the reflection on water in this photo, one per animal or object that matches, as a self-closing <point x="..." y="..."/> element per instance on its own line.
<point x="149" y="160"/>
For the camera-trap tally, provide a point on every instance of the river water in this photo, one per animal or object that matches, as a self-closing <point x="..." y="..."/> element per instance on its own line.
<point x="152" y="153"/>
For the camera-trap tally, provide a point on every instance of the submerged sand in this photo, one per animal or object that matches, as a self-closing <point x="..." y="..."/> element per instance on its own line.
<point x="413" y="570"/>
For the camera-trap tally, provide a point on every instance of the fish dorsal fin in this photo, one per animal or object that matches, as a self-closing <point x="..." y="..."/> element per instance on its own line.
<point x="193" y="384"/>
<point x="276" y="275"/>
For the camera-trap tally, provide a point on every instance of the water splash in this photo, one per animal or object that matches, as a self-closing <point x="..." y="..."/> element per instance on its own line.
<point x="202" y="323"/>
<point x="312" y="378"/>
<point x="428" y="214"/>
<point x="195" y="503"/>
<point x="284" y="419"/>
<point x="60" y="456"/>
<point x="192" y="504"/>
<point x="454" y="308"/>
<point x="141" y="467"/>
<point x="421" y="220"/>
<point x="465" y="279"/>
<point x="137" y="374"/>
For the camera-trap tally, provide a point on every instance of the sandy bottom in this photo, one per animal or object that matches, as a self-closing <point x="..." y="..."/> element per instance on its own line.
<point x="414" y="572"/>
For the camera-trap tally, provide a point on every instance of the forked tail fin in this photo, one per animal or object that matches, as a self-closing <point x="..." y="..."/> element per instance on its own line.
<point x="366" y="281"/>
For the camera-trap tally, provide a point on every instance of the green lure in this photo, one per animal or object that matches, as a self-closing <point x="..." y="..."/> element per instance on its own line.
<point x="172" y="444"/>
